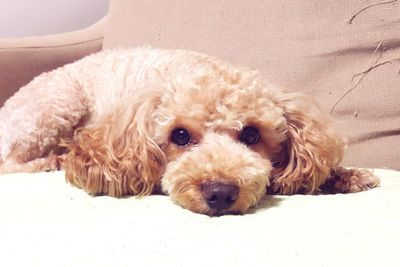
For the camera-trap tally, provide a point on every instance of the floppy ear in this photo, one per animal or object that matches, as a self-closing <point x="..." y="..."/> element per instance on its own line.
<point x="311" y="150"/>
<point x="117" y="156"/>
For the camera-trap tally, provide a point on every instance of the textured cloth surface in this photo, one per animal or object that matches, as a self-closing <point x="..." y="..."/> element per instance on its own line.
<point x="45" y="222"/>
<point x="312" y="46"/>
<point x="21" y="59"/>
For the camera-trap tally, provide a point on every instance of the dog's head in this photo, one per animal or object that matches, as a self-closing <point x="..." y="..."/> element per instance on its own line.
<point x="215" y="139"/>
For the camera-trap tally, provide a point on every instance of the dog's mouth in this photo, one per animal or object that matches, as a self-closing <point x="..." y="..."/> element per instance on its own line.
<point x="218" y="213"/>
<point x="217" y="197"/>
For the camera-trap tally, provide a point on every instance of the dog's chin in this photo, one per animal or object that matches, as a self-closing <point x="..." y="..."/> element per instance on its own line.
<point x="218" y="213"/>
<point x="203" y="209"/>
<point x="192" y="199"/>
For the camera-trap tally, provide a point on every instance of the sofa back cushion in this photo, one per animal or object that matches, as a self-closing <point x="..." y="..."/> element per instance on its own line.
<point x="344" y="52"/>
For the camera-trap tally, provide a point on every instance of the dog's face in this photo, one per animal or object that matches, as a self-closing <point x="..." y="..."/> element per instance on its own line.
<point x="212" y="136"/>
<point x="218" y="139"/>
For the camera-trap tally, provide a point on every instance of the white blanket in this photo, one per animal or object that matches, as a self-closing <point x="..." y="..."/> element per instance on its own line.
<point x="45" y="222"/>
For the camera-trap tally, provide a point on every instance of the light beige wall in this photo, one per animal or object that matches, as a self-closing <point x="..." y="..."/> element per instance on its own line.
<point x="39" y="17"/>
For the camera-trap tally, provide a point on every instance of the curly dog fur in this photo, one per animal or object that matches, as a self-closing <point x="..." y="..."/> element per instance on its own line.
<point x="109" y="120"/>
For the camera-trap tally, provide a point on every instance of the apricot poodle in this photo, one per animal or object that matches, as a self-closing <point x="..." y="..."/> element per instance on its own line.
<point x="213" y="136"/>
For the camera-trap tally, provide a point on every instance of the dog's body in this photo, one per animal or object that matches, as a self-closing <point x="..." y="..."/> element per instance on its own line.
<point x="212" y="135"/>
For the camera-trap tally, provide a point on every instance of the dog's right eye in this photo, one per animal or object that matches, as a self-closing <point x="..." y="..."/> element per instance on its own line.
<point x="249" y="136"/>
<point x="180" y="137"/>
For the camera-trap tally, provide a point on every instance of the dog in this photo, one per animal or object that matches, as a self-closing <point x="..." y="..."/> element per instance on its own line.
<point x="213" y="136"/>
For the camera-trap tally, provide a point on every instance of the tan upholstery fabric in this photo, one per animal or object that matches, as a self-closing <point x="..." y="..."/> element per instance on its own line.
<point x="309" y="45"/>
<point x="21" y="59"/>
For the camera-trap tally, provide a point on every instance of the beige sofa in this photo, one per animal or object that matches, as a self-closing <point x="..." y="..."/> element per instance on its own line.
<point x="21" y="59"/>
<point x="349" y="60"/>
<point x="314" y="46"/>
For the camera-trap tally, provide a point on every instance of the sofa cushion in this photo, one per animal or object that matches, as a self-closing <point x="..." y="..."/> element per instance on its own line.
<point x="346" y="53"/>
<point x="21" y="59"/>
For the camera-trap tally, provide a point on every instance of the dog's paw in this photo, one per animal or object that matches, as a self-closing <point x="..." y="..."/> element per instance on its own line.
<point x="350" y="181"/>
<point x="362" y="180"/>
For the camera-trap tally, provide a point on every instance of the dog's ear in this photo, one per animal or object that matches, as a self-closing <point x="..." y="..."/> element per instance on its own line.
<point x="117" y="155"/>
<point x="312" y="147"/>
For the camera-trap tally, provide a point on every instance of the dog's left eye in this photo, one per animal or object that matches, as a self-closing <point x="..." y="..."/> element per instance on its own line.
<point x="249" y="136"/>
<point x="180" y="137"/>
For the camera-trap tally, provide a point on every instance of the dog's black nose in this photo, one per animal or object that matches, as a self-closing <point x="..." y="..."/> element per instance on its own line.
<point x="220" y="196"/>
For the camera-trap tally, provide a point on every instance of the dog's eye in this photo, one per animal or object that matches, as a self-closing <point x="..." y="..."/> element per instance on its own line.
<point x="180" y="137"/>
<point x="249" y="136"/>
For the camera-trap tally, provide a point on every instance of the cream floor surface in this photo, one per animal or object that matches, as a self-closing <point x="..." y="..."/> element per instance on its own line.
<point x="45" y="222"/>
